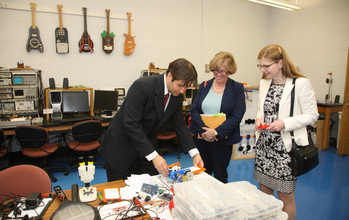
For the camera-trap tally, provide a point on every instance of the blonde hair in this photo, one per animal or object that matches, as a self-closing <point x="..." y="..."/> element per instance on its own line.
<point x="223" y="58"/>
<point x="275" y="52"/>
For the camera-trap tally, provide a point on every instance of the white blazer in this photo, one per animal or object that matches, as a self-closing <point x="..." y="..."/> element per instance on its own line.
<point x="305" y="109"/>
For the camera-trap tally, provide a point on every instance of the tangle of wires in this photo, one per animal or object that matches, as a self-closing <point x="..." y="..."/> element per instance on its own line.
<point x="126" y="211"/>
<point x="11" y="203"/>
<point x="15" y="205"/>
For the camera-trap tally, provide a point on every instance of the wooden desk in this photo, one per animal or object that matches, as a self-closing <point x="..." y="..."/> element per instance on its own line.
<point x="49" y="128"/>
<point x="328" y="109"/>
<point x="56" y="203"/>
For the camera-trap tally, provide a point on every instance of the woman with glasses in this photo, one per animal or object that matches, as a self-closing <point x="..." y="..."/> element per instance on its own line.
<point x="273" y="123"/>
<point x="218" y="95"/>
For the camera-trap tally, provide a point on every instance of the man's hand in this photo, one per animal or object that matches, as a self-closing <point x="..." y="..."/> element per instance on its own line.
<point x="160" y="165"/>
<point x="197" y="161"/>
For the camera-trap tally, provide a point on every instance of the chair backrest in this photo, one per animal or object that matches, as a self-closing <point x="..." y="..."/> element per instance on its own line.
<point x="87" y="131"/>
<point x="3" y="148"/>
<point x="23" y="180"/>
<point x="31" y="136"/>
<point x="1" y="136"/>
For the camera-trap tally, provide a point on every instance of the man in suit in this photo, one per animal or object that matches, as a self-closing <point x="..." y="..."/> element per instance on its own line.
<point x="130" y="143"/>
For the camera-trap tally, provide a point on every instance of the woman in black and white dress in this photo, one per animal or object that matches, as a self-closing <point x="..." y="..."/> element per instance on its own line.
<point x="272" y="161"/>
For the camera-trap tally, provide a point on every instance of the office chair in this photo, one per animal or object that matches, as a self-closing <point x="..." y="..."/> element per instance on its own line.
<point x="85" y="140"/>
<point x="4" y="151"/>
<point x="34" y="142"/>
<point x="3" y="148"/>
<point x="166" y="138"/>
<point x="22" y="180"/>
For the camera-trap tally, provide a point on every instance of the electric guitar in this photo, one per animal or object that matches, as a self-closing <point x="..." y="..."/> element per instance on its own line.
<point x="107" y="37"/>
<point x="62" y="45"/>
<point x="85" y="43"/>
<point x="129" y="44"/>
<point x="34" y="41"/>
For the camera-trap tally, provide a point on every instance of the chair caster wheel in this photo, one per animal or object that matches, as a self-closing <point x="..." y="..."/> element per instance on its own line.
<point x="66" y="173"/>
<point x="54" y="179"/>
<point x="103" y="166"/>
<point x="62" y="170"/>
<point x="178" y="157"/>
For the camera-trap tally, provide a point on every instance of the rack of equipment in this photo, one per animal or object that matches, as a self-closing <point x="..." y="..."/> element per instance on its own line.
<point x="20" y="91"/>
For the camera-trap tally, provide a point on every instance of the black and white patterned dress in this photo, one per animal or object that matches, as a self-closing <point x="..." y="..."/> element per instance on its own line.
<point x="272" y="162"/>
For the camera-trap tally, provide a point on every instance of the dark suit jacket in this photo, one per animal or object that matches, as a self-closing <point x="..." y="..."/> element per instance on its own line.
<point x="132" y="131"/>
<point x="233" y="105"/>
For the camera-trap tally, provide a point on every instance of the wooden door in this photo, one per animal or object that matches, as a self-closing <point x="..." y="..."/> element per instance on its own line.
<point x="343" y="145"/>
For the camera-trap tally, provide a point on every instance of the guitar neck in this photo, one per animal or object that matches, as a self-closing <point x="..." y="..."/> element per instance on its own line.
<point x="85" y="23"/>
<point x="60" y="16"/>
<point x="129" y="23"/>
<point x="108" y="24"/>
<point x="129" y="27"/>
<point x="33" y="5"/>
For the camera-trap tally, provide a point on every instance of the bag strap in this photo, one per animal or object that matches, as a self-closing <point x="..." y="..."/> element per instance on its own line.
<point x="292" y="101"/>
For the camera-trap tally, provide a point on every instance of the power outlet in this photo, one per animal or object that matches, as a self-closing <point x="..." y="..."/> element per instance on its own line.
<point x="207" y="69"/>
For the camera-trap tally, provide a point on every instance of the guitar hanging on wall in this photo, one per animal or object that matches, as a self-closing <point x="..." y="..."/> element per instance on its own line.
<point x="61" y="33"/>
<point x="129" y="44"/>
<point x="85" y="43"/>
<point x="34" y="41"/>
<point x="107" y="37"/>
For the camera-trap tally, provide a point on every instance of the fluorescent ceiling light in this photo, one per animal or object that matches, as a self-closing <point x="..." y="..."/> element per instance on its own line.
<point x="276" y="4"/>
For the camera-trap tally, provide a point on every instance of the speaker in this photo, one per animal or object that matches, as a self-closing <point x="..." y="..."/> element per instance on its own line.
<point x="56" y="102"/>
<point x="52" y="83"/>
<point x="65" y="83"/>
<point x="336" y="99"/>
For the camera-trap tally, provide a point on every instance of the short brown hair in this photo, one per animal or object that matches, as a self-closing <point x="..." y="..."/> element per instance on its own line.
<point x="182" y="69"/>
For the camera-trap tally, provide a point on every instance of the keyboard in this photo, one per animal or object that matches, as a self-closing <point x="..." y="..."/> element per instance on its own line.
<point x="13" y="123"/>
<point x="75" y="119"/>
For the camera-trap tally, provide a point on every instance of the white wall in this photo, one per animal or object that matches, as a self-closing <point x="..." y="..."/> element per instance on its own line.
<point x="316" y="38"/>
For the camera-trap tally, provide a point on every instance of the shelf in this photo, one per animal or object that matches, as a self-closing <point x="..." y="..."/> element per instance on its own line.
<point x="49" y="11"/>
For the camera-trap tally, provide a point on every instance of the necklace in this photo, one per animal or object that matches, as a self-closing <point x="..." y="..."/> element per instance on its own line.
<point x="214" y="88"/>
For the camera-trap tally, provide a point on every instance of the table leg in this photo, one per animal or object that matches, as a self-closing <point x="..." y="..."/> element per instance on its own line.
<point x="326" y="137"/>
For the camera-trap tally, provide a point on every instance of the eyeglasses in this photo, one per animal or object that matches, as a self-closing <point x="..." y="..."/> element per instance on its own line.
<point x="265" y="67"/>
<point x="220" y="71"/>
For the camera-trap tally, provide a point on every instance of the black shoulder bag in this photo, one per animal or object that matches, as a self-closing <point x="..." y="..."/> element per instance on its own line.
<point x="303" y="158"/>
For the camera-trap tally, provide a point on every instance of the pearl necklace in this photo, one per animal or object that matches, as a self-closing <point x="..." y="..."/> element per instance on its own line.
<point x="214" y="88"/>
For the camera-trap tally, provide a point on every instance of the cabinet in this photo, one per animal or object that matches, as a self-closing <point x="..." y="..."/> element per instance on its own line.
<point x="20" y="91"/>
<point x="47" y="98"/>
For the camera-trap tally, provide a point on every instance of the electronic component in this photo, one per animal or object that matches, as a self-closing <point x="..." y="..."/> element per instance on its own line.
<point x="33" y="199"/>
<point x="60" y="194"/>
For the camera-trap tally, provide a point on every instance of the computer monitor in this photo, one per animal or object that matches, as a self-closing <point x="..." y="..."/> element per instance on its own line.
<point x="75" y="102"/>
<point x="106" y="101"/>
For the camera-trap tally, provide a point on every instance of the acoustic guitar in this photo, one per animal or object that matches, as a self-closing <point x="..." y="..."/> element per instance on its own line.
<point x="107" y="37"/>
<point x="129" y="44"/>
<point x="85" y="43"/>
<point x="61" y="33"/>
<point x="34" y="41"/>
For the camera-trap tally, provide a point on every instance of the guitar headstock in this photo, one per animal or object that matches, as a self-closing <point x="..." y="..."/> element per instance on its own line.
<point x="60" y="8"/>
<point x="107" y="11"/>
<point x="33" y="5"/>
<point x="84" y="9"/>
<point x="129" y="15"/>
